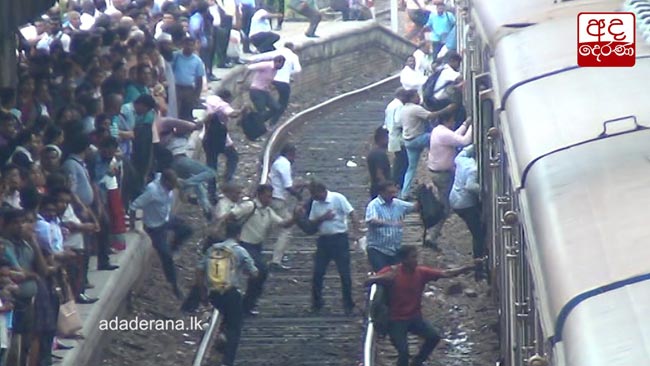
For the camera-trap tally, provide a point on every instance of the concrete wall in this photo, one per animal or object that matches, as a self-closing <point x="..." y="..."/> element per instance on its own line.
<point x="134" y="264"/>
<point x="371" y="51"/>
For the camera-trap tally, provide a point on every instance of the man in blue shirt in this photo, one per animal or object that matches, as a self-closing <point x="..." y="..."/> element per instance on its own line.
<point x="188" y="72"/>
<point x="229" y="302"/>
<point x="464" y="199"/>
<point x="201" y="31"/>
<point x="441" y="24"/>
<point x="156" y="205"/>
<point x="385" y="219"/>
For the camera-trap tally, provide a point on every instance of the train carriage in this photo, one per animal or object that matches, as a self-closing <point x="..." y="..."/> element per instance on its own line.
<point x="565" y="166"/>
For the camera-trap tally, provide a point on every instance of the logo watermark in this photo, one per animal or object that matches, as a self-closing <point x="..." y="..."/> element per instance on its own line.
<point x="606" y="39"/>
<point x="137" y="324"/>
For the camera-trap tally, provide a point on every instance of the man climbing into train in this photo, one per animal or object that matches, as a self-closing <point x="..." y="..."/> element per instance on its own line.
<point x="406" y="282"/>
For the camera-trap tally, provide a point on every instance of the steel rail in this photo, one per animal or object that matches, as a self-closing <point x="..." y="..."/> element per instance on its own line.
<point x="369" y="342"/>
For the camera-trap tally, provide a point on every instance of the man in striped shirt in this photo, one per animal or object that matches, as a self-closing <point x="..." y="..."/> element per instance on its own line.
<point x="385" y="219"/>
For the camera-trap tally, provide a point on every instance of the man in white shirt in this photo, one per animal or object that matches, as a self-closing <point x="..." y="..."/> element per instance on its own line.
<point x="260" y="35"/>
<point x="410" y="78"/>
<point x="449" y="76"/>
<point x="283" y="185"/>
<point x="331" y="212"/>
<point x="282" y="79"/>
<point x="395" y="142"/>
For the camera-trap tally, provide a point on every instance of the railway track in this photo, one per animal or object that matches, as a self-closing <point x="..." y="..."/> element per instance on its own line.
<point x="332" y="140"/>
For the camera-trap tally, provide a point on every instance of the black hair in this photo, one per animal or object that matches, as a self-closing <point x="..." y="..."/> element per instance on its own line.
<point x="405" y="250"/>
<point x="30" y="198"/>
<point x="233" y="229"/>
<point x="146" y="100"/>
<point x="380" y="134"/>
<point x="78" y="144"/>
<point x="381" y="187"/>
<point x="224" y="94"/>
<point x="52" y="132"/>
<point x="453" y="56"/>
<point x="263" y="188"/>
<point x="108" y="142"/>
<point x="316" y="186"/>
<point x="7" y="95"/>
<point x="12" y="215"/>
<point x="288" y="149"/>
<point x="56" y="181"/>
<point x="48" y="200"/>
<point x="9" y="167"/>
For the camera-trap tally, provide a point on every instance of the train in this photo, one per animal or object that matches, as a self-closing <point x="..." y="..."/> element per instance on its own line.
<point x="564" y="162"/>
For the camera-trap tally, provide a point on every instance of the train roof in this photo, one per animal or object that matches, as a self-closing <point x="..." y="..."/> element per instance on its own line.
<point x="502" y="17"/>
<point x="587" y="231"/>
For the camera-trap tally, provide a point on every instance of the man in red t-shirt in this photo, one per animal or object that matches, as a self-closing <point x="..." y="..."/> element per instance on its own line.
<point x="405" y="283"/>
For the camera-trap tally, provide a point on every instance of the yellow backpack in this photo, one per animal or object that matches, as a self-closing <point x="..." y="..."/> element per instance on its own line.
<point x="221" y="267"/>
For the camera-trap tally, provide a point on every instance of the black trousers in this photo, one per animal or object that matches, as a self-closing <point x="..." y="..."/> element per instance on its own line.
<point x="264" y="41"/>
<point x="206" y="53"/>
<point x="247" y="12"/>
<point x="182" y="231"/>
<point x="284" y="92"/>
<point x="379" y="260"/>
<point x="142" y="157"/>
<point x="187" y="99"/>
<point x="400" y="165"/>
<point x="255" y="285"/>
<point x="229" y="305"/>
<point x="398" y="332"/>
<point x="337" y="248"/>
<point x="472" y="217"/>
<point x="221" y="38"/>
<point x="266" y="106"/>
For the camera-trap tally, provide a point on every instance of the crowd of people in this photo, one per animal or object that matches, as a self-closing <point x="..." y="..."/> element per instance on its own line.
<point x="99" y="126"/>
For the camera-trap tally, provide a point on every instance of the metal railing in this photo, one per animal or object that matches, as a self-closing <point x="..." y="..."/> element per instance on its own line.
<point x="371" y="337"/>
<point x="206" y="340"/>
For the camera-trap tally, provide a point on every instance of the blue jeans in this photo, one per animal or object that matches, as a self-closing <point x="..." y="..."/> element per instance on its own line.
<point x="379" y="260"/>
<point x="398" y="331"/>
<point x="414" y="149"/>
<point x="194" y="174"/>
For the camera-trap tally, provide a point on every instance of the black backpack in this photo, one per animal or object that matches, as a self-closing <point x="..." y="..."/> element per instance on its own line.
<point x="432" y="211"/>
<point x="253" y="126"/>
<point x="303" y="222"/>
<point x="214" y="140"/>
<point x="429" y="90"/>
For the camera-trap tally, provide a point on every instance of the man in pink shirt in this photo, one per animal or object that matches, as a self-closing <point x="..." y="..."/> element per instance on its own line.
<point x="260" y="91"/>
<point x="216" y="140"/>
<point x="443" y="146"/>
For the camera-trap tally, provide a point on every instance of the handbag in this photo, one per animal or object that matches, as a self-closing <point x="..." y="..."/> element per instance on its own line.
<point x="69" y="321"/>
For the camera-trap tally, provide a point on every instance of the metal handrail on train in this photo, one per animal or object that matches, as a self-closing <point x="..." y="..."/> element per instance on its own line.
<point x="369" y="340"/>
<point x="278" y="137"/>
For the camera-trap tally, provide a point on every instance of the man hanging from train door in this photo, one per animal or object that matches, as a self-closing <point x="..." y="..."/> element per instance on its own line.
<point x="406" y="282"/>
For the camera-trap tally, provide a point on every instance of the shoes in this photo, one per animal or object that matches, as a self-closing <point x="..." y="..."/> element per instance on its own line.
<point x="107" y="267"/>
<point x="277" y="267"/>
<point x="433" y="245"/>
<point x="226" y="65"/>
<point x="213" y="78"/>
<point x="55" y="357"/>
<point x="312" y="35"/>
<point x="85" y="299"/>
<point x="285" y="258"/>
<point x="239" y="62"/>
<point x="61" y="347"/>
<point x="278" y="28"/>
